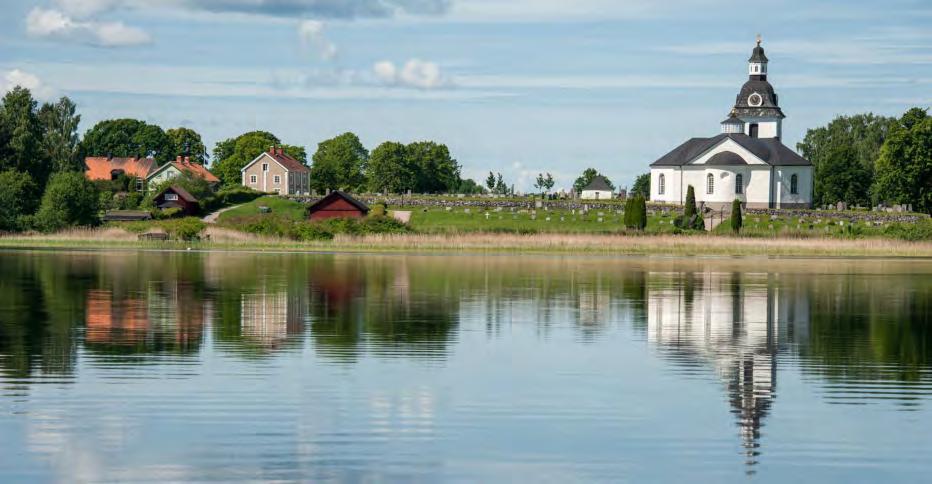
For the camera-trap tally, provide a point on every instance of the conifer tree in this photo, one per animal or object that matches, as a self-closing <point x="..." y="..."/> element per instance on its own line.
<point x="736" y="220"/>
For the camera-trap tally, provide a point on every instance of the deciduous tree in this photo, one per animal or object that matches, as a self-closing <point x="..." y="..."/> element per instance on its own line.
<point x="339" y="164"/>
<point x="389" y="170"/>
<point x="21" y="136"/>
<point x="128" y="138"/>
<point x="586" y="178"/>
<point x="187" y="142"/>
<point x="843" y="154"/>
<point x="60" y="135"/>
<point x="641" y="186"/>
<point x="18" y="197"/>
<point x="70" y="199"/>
<point x="904" y="169"/>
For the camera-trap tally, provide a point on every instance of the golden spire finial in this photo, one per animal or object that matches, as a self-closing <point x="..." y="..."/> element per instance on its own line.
<point x="759" y="39"/>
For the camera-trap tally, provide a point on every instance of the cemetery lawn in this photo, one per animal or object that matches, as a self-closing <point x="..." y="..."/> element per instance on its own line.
<point x="436" y="220"/>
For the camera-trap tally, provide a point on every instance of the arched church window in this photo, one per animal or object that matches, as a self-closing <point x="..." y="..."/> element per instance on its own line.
<point x="710" y="184"/>
<point x="739" y="183"/>
<point x="794" y="184"/>
<point x="662" y="185"/>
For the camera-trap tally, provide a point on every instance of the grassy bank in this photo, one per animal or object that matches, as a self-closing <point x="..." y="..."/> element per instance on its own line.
<point x="696" y="244"/>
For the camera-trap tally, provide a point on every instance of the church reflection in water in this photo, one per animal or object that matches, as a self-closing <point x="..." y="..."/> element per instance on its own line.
<point x="736" y="324"/>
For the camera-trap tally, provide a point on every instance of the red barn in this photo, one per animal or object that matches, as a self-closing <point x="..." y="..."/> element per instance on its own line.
<point x="337" y="205"/>
<point x="177" y="197"/>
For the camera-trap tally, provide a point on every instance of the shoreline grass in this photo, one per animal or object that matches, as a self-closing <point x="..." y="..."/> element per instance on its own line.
<point x="605" y="244"/>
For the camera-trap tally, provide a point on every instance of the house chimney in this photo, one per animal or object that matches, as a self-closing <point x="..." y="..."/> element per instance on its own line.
<point x="178" y="159"/>
<point x="281" y="151"/>
<point x="272" y="150"/>
<point x="187" y="160"/>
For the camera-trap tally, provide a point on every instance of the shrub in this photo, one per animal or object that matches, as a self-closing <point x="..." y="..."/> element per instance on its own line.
<point x="69" y="200"/>
<point x="166" y="213"/>
<point x="265" y="225"/>
<point x="349" y="226"/>
<point x="188" y="228"/>
<point x="378" y="210"/>
<point x="909" y="231"/>
<point x="308" y="231"/>
<point x="736" y="221"/>
<point x="384" y="225"/>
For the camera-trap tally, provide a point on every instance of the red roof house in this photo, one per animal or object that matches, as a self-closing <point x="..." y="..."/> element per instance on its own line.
<point x="337" y="205"/>
<point x="107" y="168"/>
<point x="179" y="166"/>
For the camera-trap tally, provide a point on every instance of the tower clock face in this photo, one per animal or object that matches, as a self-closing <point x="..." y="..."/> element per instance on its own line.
<point x="755" y="99"/>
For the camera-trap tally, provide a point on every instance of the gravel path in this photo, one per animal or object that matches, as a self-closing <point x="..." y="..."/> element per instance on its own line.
<point x="212" y="218"/>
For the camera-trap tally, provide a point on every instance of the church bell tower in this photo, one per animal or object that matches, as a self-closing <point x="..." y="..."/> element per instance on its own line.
<point x="756" y="112"/>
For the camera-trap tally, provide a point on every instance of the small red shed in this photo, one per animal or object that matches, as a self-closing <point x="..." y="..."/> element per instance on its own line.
<point x="177" y="197"/>
<point x="337" y="205"/>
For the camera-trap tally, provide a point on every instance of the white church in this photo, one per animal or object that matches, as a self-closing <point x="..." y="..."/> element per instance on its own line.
<point x="746" y="161"/>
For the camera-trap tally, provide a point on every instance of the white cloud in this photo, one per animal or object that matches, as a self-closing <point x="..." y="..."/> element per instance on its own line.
<point x="54" y="24"/>
<point x="32" y="82"/>
<point x="311" y="33"/>
<point x="84" y="8"/>
<point x="329" y="9"/>
<point x="415" y="73"/>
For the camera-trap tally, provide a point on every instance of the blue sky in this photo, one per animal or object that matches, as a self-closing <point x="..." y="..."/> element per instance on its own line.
<point x="517" y="86"/>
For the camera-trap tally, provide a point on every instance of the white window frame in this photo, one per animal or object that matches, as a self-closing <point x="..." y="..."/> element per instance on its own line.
<point x="794" y="185"/>
<point x="662" y="184"/>
<point x="265" y="167"/>
<point x="277" y="179"/>
<point x="739" y="184"/>
<point x="253" y="179"/>
<point x="710" y="184"/>
<point x="171" y="197"/>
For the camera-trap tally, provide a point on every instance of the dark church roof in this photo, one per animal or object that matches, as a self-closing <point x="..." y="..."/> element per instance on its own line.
<point x="598" y="183"/>
<point x="771" y="150"/>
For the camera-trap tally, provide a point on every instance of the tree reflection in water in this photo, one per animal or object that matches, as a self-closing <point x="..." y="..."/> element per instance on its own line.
<point x="868" y="322"/>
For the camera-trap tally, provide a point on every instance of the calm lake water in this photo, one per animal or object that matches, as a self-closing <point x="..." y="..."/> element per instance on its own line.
<point x="135" y="366"/>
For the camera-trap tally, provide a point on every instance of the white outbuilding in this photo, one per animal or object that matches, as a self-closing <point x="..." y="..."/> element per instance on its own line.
<point x="746" y="161"/>
<point x="597" y="189"/>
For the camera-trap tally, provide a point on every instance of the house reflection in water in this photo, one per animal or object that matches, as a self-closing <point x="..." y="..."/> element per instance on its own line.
<point x="736" y="324"/>
<point x="117" y="322"/>
<point x="163" y="317"/>
<point x="270" y="317"/>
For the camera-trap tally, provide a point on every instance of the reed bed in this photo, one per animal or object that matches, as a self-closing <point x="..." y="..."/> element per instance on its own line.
<point x="696" y="244"/>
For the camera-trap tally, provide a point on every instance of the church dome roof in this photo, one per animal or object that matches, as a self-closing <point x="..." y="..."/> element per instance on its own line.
<point x="764" y="104"/>
<point x="732" y="119"/>
<point x="757" y="55"/>
<point x="726" y="158"/>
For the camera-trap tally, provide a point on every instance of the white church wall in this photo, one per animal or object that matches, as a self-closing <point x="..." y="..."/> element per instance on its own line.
<point x="783" y="186"/>
<point x="766" y="127"/>
<point x="756" y="179"/>
<point x="671" y="193"/>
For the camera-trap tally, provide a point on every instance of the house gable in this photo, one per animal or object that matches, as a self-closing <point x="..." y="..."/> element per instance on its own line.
<point x="264" y="155"/>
